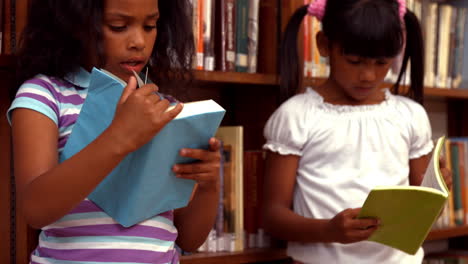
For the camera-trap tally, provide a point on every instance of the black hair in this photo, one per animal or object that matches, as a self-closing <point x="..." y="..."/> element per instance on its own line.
<point x="59" y="34"/>
<point x="365" y="28"/>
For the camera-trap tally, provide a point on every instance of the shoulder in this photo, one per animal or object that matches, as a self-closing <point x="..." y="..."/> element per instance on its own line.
<point x="300" y="104"/>
<point x="407" y="107"/>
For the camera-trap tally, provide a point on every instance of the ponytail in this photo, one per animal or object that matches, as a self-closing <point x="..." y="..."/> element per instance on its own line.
<point x="290" y="72"/>
<point x="414" y="51"/>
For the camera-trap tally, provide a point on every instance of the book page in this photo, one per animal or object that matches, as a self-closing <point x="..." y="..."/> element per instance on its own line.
<point x="433" y="177"/>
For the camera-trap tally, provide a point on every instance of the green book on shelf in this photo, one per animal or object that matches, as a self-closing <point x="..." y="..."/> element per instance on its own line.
<point x="407" y="213"/>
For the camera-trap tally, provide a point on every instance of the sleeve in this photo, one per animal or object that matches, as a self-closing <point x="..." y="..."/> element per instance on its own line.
<point x="39" y="95"/>
<point x="285" y="131"/>
<point x="421" y="133"/>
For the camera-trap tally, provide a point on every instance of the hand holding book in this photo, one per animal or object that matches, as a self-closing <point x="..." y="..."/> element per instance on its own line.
<point x="143" y="184"/>
<point x="407" y="213"/>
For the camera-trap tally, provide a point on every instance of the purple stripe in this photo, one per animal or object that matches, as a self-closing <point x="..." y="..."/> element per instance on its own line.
<point x="41" y="99"/>
<point x="67" y="120"/>
<point x="85" y="206"/>
<point x="108" y="255"/>
<point x="60" y="82"/>
<point x="113" y="230"/>
<point x="63" y="141"/>
<point x="169" y="215"/>
<point x="74" y="99"/>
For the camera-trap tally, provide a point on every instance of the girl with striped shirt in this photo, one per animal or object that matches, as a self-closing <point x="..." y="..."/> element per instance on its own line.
<point x="62" y="42"/>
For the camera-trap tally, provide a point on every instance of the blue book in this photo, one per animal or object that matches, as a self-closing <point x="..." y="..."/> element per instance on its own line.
<point x="143" y="184"/>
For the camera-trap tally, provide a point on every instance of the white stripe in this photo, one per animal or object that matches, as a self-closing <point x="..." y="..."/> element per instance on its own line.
<point x="70" y="111"/>
<point x="105" y="245"/>
<point x="107" y="221"/>
<point x="26" y="89"/>
<point x="62" y="89"/>
<point x="40" y="260"/>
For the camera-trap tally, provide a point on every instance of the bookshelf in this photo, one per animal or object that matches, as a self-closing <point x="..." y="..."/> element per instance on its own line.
<point x="249" y="100"/>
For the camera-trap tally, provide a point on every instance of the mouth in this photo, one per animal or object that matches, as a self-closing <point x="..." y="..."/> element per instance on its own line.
<point x="134" y="64"/>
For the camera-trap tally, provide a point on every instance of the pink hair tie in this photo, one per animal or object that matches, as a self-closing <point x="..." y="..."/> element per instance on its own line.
<point x="317" y="8"/>
<point x="402" y="9"/>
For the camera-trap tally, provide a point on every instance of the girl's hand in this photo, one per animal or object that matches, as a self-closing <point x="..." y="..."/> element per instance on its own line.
<point x="206" y="171"/>
<point x="139" y="116"/>
<point x="346" y="228"/>
<point x="446" y="173"/>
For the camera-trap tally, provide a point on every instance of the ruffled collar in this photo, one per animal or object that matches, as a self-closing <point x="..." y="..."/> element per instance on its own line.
<point x="350" y="108"/>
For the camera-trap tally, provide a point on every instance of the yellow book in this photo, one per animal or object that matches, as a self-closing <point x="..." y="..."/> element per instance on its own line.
<point x="407" y="213"/>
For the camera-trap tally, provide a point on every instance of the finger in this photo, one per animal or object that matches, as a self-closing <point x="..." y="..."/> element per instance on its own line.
<point x="201" y="154"/>
<point x="148" y="89"/>
<point x="198" y="177"/>
<point x="365" y="223"/>
<point x="172" y="113"/>
<point x="131" y="86"/>
<point x="442" y="162"/>
<point x="215" y="144"/>
<point x="363" y="234"/>
<point x="197" y="167"/>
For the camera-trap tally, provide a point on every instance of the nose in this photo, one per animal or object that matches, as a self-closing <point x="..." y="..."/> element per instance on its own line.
<point x="367" y="74"/>
<point x="137" y="39"/>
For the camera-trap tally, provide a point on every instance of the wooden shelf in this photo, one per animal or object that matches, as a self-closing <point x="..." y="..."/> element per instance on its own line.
<point x="448" y="93"/>
<point x="236" y="77"/>
<point x="447" y="233"/>
<point x="247" y="256"/>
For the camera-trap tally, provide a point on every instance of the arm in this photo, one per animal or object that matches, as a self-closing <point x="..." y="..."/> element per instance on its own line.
<point x="417" y="169"/>
<point x="48" y="190"/>
<point x="285" y="224"/>
<point x="195" y="221"/>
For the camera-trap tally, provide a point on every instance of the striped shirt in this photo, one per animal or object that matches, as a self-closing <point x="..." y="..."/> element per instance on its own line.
<point x="87" y="234"/>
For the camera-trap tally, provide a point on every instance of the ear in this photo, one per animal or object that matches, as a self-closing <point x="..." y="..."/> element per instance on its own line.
<point x="322" y="44"/>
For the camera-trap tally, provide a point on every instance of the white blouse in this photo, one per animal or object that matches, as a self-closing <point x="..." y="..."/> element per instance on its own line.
<point x="344" y="152"/>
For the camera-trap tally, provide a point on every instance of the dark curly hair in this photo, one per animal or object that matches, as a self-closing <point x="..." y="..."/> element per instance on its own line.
<point x="59" y="35"/>
<point x="366" y="28"/>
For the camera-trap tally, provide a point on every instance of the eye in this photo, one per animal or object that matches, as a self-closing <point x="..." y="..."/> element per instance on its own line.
<point x="117" y="28"/>
<point x="150" y="27"/>
<point x="354" y="61"/>
<point x="382" y="62"/>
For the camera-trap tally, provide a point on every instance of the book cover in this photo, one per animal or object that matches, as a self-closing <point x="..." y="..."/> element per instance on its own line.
<point x="143" y="184"/>
<point x="407" y="213"/>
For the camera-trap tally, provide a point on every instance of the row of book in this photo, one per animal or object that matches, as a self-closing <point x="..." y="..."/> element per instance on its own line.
<point x="444" y="30"/>
<point x="226" y="35"/>
<point x="238" y="223"/>
<point x="455" y="212"/>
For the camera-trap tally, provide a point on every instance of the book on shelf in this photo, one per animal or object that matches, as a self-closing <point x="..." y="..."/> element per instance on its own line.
<point x="208" y="35"/>
<point x="129" y="192"/>
<point x="232" y="137"/>
<point x="225" y="35"/>
<point x="242" y="38"/>
<point x="252" y="34"/>
<point x="407" y="213"/>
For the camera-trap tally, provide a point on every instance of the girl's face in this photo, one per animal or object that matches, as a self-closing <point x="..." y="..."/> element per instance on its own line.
<point x="358" y="77"/>
<point x="129" y="30"/>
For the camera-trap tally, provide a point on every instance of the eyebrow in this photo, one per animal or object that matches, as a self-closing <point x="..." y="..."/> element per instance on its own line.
<point x="125" y="16"/>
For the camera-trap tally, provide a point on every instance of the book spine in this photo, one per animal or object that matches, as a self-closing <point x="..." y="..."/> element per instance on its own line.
<point x="253" y="35"/>
<point x="242" y="13"/>
<point x="208" y="35"/>
<point x="457" y="195"/>
<point x="268" y="36"/>
<point x="200" y="47"/>
<point x="220" y="35"/>
<point x="230" y="24"/>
